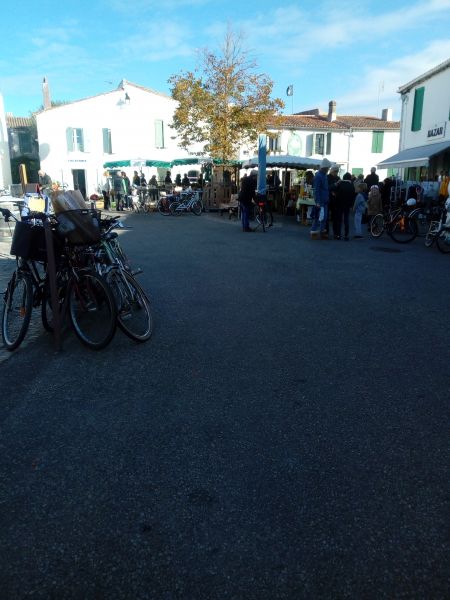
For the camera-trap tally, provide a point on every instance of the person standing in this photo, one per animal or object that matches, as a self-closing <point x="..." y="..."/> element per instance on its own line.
<point x="106" y="191"/>
<point x="127" y="188"/>
<point x="136" y="179"/>
<point x="372" y="179"/>
<point x="332" y="179"/>
<point x="359" y="209"/>
<point x="119" y="191"/>
<point x="345" y="197"/>
<point x="321" y="199"/>
<point x="374" y="203"/>
<point x="246" y="196"/>
<point x="45" y="181"/>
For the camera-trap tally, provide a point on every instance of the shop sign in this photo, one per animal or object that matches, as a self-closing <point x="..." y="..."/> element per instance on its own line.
<point x="436" y="132"/>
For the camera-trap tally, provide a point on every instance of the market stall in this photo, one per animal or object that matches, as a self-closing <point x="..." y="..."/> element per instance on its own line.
<point x="286" y="190"/>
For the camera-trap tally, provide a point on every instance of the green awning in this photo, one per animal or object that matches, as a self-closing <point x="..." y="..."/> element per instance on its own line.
<point x="163" y="164"/>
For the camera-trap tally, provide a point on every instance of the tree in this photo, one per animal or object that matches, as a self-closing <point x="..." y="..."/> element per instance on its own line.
<point x="226" y="105"/>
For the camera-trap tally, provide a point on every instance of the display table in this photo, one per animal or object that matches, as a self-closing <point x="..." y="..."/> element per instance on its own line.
<point x="302" y="207"/>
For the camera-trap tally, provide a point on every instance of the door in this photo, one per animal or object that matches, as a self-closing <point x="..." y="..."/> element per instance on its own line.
<point x="79" y="181"/>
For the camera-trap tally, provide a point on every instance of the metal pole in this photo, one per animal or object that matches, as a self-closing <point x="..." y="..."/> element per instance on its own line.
<point x="51" y="274"/>
<point x="262" y="144"/>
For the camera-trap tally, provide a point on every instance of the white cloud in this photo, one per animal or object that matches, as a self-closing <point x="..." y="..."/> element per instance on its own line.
<point x="394" y="74"/>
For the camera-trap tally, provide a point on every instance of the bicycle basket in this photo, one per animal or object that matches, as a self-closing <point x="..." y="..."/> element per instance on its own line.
<point x="79" y="227"/>
<point x="29" y="242"/>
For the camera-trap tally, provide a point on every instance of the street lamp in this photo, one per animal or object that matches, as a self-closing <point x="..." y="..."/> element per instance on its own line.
<point x="349" y="134"/>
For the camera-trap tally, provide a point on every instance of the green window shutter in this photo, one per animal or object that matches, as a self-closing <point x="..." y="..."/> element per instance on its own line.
<point x="107" y="145"/>
<point x="159" y="133"/>
<point x="377" y="141"/>
<point x="80" y="140"/>
<point x="328" y="151"/>
<point x="69" y="139"/>
<point x="391" y="172"/>
<point x="357" y="171"/>
<point x="416" y="124"/>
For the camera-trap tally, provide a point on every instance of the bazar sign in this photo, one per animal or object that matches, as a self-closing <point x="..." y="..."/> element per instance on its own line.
<point x="437" y="131"/>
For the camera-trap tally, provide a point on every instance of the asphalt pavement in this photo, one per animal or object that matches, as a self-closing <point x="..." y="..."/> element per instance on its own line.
<point x="283" y="435"/>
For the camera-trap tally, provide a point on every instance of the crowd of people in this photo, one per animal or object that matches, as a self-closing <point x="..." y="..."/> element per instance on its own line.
<point x="336" y="198"/>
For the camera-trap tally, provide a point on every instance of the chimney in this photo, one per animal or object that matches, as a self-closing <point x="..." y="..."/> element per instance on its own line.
<point x="386" y="114"/>
<point x="46" y="94"/>
<point x="332" y="110"/>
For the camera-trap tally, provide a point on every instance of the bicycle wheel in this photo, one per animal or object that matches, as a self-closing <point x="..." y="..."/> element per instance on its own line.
<point x="403" y="229"/>
<point x="423" y="225"/>
<point x="173" y="208"/>
<point x="377" y="226"/>
<point x="133" y="307"/>
<point x="46" y="305"/>
<point x="443" y="241"/>
<point x="261" y="217"/>
<point x="92" y="309"/>
<point x="196" y="208"/>
<point x="431" y="234"/>
<point x="164" y="206"/>
<point x="17" y="309"/>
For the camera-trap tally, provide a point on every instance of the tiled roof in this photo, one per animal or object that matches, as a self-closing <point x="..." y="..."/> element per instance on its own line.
<point x="341" y="122"/>
<point x="13" y="122"/>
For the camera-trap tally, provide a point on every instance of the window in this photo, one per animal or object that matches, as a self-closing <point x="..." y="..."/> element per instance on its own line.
<point x="357" y="171"/>
<point x="319" y="143"/>
<point x="107" y="144"/>
<point x="159" y="133"/>
<point x="377" y="141"/>
<point x="416" y="124"/>
<point x="328" y="151"/>
<point x="273" y="143"/>
<point x="25" y="146"/>
<point x="75" y="139"/>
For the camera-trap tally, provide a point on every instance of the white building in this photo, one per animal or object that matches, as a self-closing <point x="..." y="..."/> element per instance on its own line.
<point x="356" y="143"/>
<point x="424" y="149"/>
<point x="5" y="164"/>
<point x="130" y="123"/>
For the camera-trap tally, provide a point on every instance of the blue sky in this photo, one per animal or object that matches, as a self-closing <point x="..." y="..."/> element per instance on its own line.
<point x="355" y="52"/>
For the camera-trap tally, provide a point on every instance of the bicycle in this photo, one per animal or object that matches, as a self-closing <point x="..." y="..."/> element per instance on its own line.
<point x="25" y="289"/>
<point x="397" y="223"/>
<point x="134" y="315"/>
<point x="189" y="202"/>
<point x="439" y="231"/>
<point x="80" y="291"/>
<point x="263" y="217"/>
<point x="163" y="205"/>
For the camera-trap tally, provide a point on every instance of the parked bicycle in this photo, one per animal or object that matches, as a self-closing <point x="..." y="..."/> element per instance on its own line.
<point x="263" y="217"/>
<point x="81" y="292"/>
<point x="397" y="223"/>
<point x="187" y="202"/>
<point x="439" y="231"/>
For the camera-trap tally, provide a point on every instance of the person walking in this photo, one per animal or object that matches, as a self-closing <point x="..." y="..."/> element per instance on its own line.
<point x="344" y="200"/>
<point x="359" y="208"/>
<point x="321" y="199"/>
<point x="246" y="196"/>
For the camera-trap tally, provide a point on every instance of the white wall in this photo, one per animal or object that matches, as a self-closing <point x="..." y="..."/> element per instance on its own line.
<point x="436" y="108"/>
<point x="132" y="127"/>
<point x="5" y="165"/>
<point x="350" y="152"/>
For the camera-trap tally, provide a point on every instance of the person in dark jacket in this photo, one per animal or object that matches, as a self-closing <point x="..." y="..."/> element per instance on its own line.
<point x="371" y="179"/>
<point x="332" y="178"/>
<point x="246" y="196"/>
<point x="344" y="199"/>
